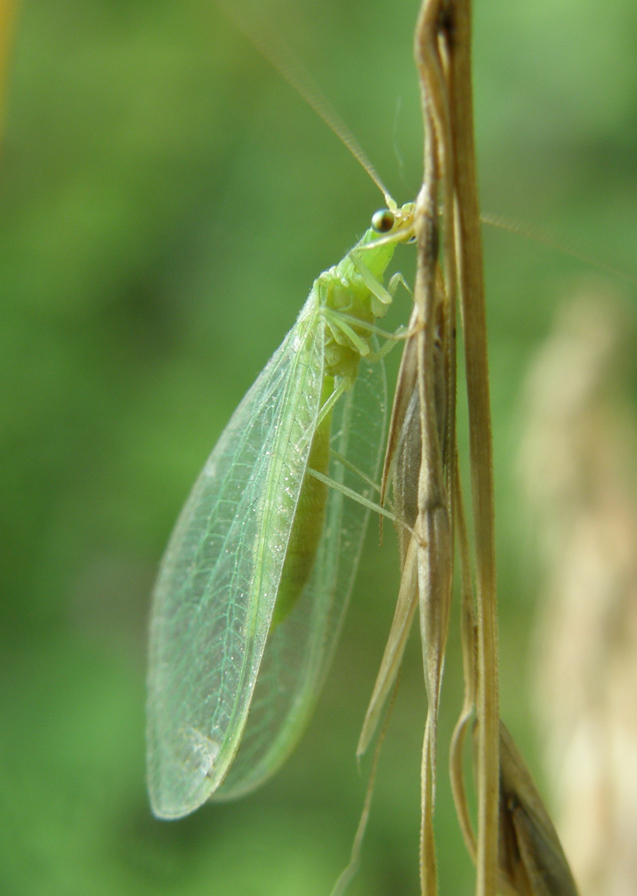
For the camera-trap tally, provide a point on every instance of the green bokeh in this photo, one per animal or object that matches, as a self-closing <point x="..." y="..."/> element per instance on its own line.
<point x="165" y="203"/>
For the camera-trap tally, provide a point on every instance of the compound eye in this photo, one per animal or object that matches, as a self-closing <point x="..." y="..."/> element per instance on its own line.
<point x="383" y="220"/>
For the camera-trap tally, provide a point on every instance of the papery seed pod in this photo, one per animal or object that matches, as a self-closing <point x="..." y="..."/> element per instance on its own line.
<point x="531" y="859"/>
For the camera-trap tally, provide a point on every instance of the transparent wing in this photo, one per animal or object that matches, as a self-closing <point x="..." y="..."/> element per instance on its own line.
<point x="219" y="578"/>
<point x="298" y="652"/>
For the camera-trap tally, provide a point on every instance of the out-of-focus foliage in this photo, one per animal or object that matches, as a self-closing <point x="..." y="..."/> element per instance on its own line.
<point x="165" y="203"/>
<point x="577" y="469"/>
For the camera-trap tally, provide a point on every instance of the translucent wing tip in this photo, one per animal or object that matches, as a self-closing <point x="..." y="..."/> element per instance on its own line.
<point x="183" y="774"/>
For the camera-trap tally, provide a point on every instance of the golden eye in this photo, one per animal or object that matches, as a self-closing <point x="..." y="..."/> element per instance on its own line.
<point x="383" y="220"/>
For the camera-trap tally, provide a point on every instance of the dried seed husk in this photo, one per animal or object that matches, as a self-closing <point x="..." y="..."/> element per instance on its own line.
<point x="531" y="861"/>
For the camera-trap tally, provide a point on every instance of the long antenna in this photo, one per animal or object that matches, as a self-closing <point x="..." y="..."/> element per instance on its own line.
<point x="269" y="43"/>
<point x="548" y="238"/>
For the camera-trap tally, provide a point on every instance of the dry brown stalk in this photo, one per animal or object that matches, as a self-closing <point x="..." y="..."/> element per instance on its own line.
<point x="516" y="847"/>
<point x="516" y="850"/>
<point x="443" y="57"/>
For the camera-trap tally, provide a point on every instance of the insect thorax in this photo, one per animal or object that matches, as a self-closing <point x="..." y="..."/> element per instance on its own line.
<point x="344" y="302"/>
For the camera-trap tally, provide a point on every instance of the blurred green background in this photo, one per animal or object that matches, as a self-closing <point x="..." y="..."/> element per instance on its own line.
<point x="166" y="201"/>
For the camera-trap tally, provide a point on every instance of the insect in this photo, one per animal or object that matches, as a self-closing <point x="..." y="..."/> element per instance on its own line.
<point x="251" y="591"/>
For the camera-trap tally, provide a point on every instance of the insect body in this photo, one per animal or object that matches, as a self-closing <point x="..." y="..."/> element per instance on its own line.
<point x="253" y="585"/>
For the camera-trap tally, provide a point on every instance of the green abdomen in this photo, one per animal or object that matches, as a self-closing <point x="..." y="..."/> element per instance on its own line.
<point x="309" y="520"/>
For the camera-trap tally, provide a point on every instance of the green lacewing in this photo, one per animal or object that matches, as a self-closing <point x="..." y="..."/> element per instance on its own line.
<point x="252" y="588"/>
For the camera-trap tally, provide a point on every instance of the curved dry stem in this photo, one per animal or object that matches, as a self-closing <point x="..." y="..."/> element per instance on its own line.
<point x="468" y="642"/>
